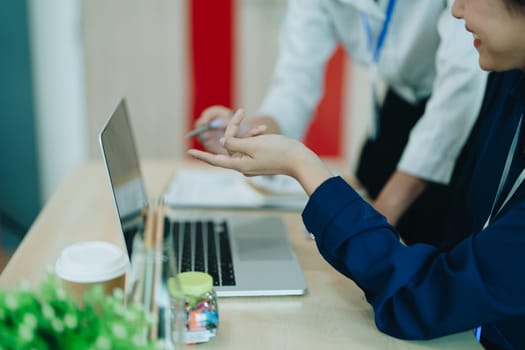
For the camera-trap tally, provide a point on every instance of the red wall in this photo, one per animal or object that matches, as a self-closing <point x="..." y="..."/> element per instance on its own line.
<point x="212" y="49"/>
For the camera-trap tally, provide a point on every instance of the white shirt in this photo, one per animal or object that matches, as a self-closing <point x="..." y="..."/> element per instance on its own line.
<point x="427" y="52"/>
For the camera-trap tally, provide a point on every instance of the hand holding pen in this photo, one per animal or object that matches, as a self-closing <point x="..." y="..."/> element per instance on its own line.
<point x="210" y="128"/>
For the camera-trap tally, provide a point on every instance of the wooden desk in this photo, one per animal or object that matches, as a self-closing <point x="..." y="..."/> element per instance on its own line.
<point x="332" y="315"/>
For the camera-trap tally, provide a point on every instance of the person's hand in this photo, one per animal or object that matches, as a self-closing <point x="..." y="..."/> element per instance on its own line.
<point x="266" y="154"/>
<point x="210" y="138"/>
<point x="250" y="155"/>
<point x="220" y="115"/>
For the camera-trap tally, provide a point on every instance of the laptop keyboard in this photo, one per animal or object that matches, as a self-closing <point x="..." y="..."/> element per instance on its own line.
<point x="203" y="246"/>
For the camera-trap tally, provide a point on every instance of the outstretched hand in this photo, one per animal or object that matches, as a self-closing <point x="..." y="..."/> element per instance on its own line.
<point x="253" y="154"/>
<point x="266" y="154"/>
<point x="221" y="116"/>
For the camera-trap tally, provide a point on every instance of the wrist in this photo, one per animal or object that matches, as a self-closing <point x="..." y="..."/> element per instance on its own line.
<point x="398" y="194"/>
<point x="309" y="170"/>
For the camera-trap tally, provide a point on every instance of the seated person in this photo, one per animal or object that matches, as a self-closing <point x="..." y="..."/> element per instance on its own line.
<point x="420" y="291"/>
<point x="428" y="64"/>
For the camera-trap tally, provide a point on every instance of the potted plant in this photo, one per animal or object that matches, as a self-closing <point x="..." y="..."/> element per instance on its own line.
<point x="49" y="317"/>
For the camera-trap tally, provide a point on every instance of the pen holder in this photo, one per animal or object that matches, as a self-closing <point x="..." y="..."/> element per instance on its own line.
<point x="152" y="267"/>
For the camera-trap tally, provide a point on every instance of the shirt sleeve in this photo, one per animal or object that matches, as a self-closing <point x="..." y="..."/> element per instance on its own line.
<point x="457" y="93"/>
<point x="418" y="292"/>
<point x="307" y="40"/>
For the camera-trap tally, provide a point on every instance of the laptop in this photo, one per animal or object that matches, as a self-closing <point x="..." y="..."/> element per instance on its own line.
<point x="246" y="254"/>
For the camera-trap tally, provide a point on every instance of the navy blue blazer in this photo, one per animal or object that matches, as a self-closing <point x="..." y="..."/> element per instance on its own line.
<point x="476" y="277"/>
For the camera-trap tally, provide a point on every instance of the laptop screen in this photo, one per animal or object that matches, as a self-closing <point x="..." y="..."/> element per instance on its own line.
<point x="122" y="164"/>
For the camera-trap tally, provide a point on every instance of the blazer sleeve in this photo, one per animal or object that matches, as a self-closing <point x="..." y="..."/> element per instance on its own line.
<point x="418" y="292"/>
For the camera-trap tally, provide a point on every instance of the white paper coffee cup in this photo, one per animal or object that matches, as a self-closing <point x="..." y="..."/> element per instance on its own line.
<point x="85" y="264"/>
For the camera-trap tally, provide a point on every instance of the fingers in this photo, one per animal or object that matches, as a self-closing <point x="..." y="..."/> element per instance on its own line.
<point x="236" y="145"/>
<point x="213" y="140"/>
<point x="221" y="160"/>
<point x="232" y="130"/>
<point x="258" y="130"/>
<point x="234" y="125"/>
<point x="217" y="117"/>
<point x="201" y="155"/>
<point x="196" y="153"/>
<point x="210" y="142"/>
<point x="211" y="137"/>
<point x="214" y="112"/>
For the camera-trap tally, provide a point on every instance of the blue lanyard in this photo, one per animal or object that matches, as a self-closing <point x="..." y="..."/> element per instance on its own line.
<point x="375" y="51"/>
<point x="374" y="58"/>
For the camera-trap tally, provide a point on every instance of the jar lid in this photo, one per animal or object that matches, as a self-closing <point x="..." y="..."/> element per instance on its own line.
<point x="194" y="283"/>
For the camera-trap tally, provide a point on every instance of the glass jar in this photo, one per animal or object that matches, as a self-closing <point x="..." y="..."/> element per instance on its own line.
<point x="152" y="274"/>
<point x="200" y="306"/>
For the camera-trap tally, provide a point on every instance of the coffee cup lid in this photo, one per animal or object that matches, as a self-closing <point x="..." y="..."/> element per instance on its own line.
<point x="91" y="261"/>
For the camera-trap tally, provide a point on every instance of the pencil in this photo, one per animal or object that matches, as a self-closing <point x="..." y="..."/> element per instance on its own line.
<point x="149" y="233"/>
<point x="158" y="235"/>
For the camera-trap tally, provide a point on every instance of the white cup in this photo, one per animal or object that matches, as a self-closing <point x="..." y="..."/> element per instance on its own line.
<point x="85" y="264"/>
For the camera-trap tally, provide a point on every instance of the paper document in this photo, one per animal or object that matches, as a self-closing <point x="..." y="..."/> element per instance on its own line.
<point x="230" y="189"/>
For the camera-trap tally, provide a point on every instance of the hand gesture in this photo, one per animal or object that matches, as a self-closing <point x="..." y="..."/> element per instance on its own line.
<point x="266" y="154"/>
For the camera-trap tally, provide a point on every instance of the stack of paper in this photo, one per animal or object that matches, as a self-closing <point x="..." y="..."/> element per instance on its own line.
<point x="230" y="189"/>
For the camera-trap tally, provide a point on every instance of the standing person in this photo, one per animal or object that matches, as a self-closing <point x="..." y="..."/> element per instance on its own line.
<point x="417" y="48"/>
<point x="420" y="291"/>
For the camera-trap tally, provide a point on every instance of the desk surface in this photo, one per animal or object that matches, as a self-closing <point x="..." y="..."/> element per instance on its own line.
<point x="332" y="315"/>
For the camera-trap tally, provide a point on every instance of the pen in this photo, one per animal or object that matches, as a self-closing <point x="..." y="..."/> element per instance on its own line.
<point x="214" y="124"/>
